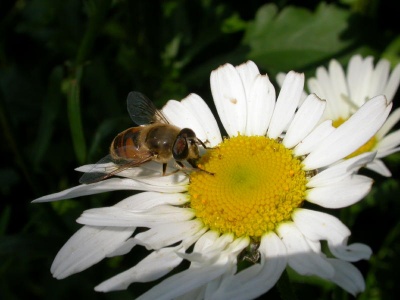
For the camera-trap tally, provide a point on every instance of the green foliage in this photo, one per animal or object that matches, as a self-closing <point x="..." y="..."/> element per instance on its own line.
<point x="66" y="68"/>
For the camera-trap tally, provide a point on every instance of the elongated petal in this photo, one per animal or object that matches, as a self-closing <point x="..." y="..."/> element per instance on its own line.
<point x="286" y="104"/>
<point x="112" y="184"/>
<point x="147" y="170"/>
<point x="341" y="194"/>
<point x="393" y="83"/>
<point x="115" y="216"/>
<point x="338" y="172"/>
<point x="260" y="106"/>
<point x="359" y="77"/>
<point x="347" y="276"/>
<point x="365" y="122"/>
<point x="196" y="105"/>
<point x="318" y="226"/>
<point x="300" y="256"/>
<point x="168" y="234"/>
<point x="312" y="141"/>
<point x="179" y="115"/>
<point x="353" y="252"/>
<point x="259" y="278"/>
<point x="304" y="121"/>
<point x="192" y="112"/>
<point x="230" y="98"/>
<point x="379" y="167"/>
<point x="154" y="266"/>
<point x="337" y="104"/>
<point x="391" y="121"/>
<point x="147" y="200"/>
<point x="389" y="142"/>
<point x="87" y="247"/>
<point x="248" y="72"/>
<point x="186" y="281"/>
<point x="379" y="78"/>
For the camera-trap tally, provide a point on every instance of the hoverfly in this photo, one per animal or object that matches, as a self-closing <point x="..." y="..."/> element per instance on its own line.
<point x="155" y="139"/>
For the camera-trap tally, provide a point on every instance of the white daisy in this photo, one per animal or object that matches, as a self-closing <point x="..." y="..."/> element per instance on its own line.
<point x="345" y="93"/>
<point x="251" y="208"/>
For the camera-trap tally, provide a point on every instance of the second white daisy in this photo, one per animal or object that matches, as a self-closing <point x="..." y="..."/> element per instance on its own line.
<point x="345" y="93"/>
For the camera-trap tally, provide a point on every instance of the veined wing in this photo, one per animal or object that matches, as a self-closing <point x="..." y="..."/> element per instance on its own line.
<point x="142" y="111"/>
<point x="107" y="167"/>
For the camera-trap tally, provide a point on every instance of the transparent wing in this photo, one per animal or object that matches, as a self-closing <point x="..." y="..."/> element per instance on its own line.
<point x="142" y="111"/>
<point x="107" y="167"/>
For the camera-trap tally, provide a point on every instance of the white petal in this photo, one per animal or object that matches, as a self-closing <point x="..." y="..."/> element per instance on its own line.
<point x="387" y="152"/>
<point x="154" y="266"/>
<point x="124" y="248"/>
<point x="147" y="200"/>
<point x="336" y="104"/>
<point x="259" y="278"/>
<point x="359" y="77"/>
<point x="86" y="247"/>
<point x="341" y="194"/>
<point x="304" y="121"/>
<point x="379" y="167"/>
<point x="389" y="142"/>
<point x="342" y="142"/>
<point x="313" y="140"/>
<point x="300" y="256"/>
<point x="393" y="83"/>
<point x="206" y="241"/>
<point x="115" y="216"/>
<point x="248" y="72"/>
<point x="260" y="106"/>
<point x="208" y="248"/>
<point x="338" y="172"/>
<point x="318" y="226"/>
<point x="186" y="281"/>
<point x="148" y="170"/>
<point x="192" y="112"/>
<point x="315" y="87"/>
<point x="280" y="79"/>
<point x="182" y="117"/>
<point x="379" y="78"/>
<point x="391" y="121"/>
<point x="168" y="234"/>
<point x="347" y="276"/>
<point x="167" y="185"/>
<point x="196" y="105"/>
<point x="230" y="99"/>
<point x="353" y="252"/>
<point x="286" y="104"/>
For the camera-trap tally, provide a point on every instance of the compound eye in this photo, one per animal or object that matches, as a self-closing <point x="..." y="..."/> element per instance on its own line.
<point x="187" y="133"/>
<point x="180" y="150"/>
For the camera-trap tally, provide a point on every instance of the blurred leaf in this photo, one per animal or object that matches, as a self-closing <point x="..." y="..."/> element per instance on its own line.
<point x="49" y="112"/>
<point x="75" y="120"/>
<point x="295" y="37"/>
<point x="392" y="52"/>
<point x="107" y="130"/>
<point x="233" y="24"/>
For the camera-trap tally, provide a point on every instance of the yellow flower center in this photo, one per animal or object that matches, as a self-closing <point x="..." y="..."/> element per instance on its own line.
<point x="257" y="183"/>
<point x="367" y="147"/>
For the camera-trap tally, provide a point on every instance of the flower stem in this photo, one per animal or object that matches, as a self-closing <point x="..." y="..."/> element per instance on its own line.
<point x="285" y="288"/>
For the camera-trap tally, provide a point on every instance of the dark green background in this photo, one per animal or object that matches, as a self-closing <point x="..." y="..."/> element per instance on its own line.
<point x="66" y="68"/>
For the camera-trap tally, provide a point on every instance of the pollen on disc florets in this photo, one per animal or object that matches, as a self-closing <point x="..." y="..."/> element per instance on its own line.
<point x="257" y="183"/>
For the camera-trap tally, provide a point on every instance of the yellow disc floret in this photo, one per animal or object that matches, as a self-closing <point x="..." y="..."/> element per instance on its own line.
<point x="257" y="183"/>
